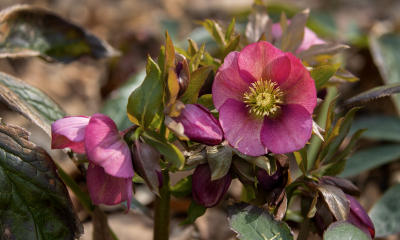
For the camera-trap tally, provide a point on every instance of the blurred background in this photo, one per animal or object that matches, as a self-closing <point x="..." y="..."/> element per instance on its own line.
<point x="137" y="28"/>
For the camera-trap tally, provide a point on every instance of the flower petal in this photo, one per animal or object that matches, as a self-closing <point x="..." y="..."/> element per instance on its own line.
<point x="106" y="189"/>
<point x="360" y="217"/>
<point x="69" y="132"/>
<point x="241" y="128"/>
<point x="287" y="132"/>
<point x="227" y="82"/>
<point x="263" y="61"/>
<point x="299" y="88"/>
<point x="105" y="147"/>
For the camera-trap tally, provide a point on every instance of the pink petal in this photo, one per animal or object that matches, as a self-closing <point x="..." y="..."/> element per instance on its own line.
<point x="263" y="61"/>
<point x="309" y="39"/>
<point x="299" y="88"/>
<point x="287" y="132"/>
<point x="227" y="82"/>
<point x="242" y="129"/>
<point x="69" y="132"/>
<point x="106" y="189"/>
<point x="105" y="147"/>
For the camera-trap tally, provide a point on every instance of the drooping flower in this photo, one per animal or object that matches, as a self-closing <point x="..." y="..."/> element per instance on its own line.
<point x="309" y="38"/>
<point x="200" y="125"/>
<point x="110" y="172"/>
<point x="265" y="99"/>
<point x="359" y="217"/>
<point x="270" y="182"/>
<point x="206" y="192"/>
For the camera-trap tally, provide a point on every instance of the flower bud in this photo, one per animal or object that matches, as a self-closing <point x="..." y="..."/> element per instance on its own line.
<point x="182" y="71"/>
<point x="359" y="217"/>
<point x="200" y="125"/>
<point x="206" y="192"/>
<point x="270" y="182"/>
<point x="146" y="162"/>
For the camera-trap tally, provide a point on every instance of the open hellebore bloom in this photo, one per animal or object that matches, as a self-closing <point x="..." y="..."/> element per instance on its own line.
<point x="265" y="99"/>
<point x="110" y="172"/>
<point x="200" y="125"/>
<point x="206" y="192"/>
<point x="359" y="217"/>
<point x="309" y="39"/>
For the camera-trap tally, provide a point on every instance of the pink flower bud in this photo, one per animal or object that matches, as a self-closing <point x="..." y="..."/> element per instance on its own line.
<point x="359" y="217"/>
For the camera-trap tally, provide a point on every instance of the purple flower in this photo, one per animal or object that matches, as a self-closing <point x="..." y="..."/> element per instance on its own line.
<point x="359" y="217"/>
<point x="309" y="39"/>
<point x="110" y="172"/>
<point x="265" y="99"/>
<point x="270" y="182"/>
<point x="206" y="192"/>
<point x="200" y="125"/>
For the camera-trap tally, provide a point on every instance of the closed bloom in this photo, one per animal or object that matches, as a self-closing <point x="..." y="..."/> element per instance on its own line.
<point x="206" y="192"/>
<point x="110" y="172"/>
<point x="309" y="38"/>
<point x="359" y="217"/>
<point x="270" y="182"/>
<point x="265" y="99"/>
<point x="200" y="125"/>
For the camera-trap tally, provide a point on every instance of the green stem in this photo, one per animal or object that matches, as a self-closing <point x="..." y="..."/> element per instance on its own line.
<point x="315" y="143"/>
<point x="162" y="210"/>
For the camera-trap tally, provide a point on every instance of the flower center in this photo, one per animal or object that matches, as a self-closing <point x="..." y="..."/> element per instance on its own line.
<point x="263" y="98"/>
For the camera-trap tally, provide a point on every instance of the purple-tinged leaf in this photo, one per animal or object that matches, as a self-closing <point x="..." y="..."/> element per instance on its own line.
<point x="336" y="200"/>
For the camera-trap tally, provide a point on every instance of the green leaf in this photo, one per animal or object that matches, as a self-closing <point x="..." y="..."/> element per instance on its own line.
<point x="207" y="101"/>
<point x="260" y="161"/>
<point x="350" y="147"/>
<point x="329" y="118"/>
<point x="253" y="223"/>
<point x="301" y="159"/>
<point x="193" y="48"/>
<point x="144" y="101"/>
<point x="321" y="52"/>
<point x="197" y="79"/>
<point x="169" y="54"/>
<point x="374" y="93"/>
<point x="333" y="169"/>
<point x="30" y="102"/>
<point x="230" y="30"/>
<point x="219" y="158"/>
<point x="371" y="158"/>
<point x="160" y="62"/>
<point x="195" y="211"/>
<point x="381" y="128"/>
<point x="34" y="202"/>
<point x="182" y="188"/>
<point x="336" y="200"/>
<point x="29" y="31"/>
<point x="385" y="214"/>
<point x="322" y="74"/>
<point x="196" y="59"/>
<point x="170" y="152"/>
<point x="230" y="47"/>
<point x="293" y="38"/>
<point x="343" y="230"/>
<point x="259" y="23"/>
<point x="215" y="31"/>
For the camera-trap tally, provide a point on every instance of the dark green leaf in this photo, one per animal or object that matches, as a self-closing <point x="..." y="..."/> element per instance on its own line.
<point x="374" y="93"/>
<point x="144" y="101"/>
<point x="385" y="214"/>
<point x="207" y="101"/>
<point x="230" y="30"/>
<point x="219" y="158"/>
<point x="194" y="212"/>
<point x="320" y="52"/>
<point x="182" y="188"/>
<point x="35" y="203"/>
<point x="29" y="101"/>
<point x="371" y="158"/>
<point x="322" y="74"/>
<point x="253" y="223"/>
<point x="343" y="230"/>
<point x="336" y="200"/>
<point x="196" y="59"/>
<point x="197" y="79"/>
<point x="381" y="128"/>
<point x="260" y="161"/>
<point x="293" y="38"/>
<point x="170" y="152"/>
<point x="243" y="169"/>
<point x="230" y="47"/>
<point x="31" y="31"/>
<point x="259" y="23"/>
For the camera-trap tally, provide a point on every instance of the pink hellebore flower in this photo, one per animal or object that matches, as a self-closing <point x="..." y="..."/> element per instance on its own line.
<point x="265" y="99"/>
<point x="110" y="172"/>
<point x="359" y="217"/>
<point x="309" y="39"/>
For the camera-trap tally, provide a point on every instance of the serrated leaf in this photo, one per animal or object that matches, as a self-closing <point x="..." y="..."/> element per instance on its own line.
<point x="386" y="212"/>
<point x="219" y="159"/>
<point x="230" y="47"/>
<point x="144" y="101"/>
<point x="293" y="37"/>
<point x="35" y="203"/>
<point x="30" y="102"/>
<point x="196" y="59"/>
<point x="197" y="79"/>
<point x="230" y="30"/>
<point x="364" y="160"/>
<point x="320" y="52"/>
<point x="374" y="93"/>
<point x="193" y="48"/>
<point x="381" y="128"/>
<point x="343" y="230"/>
<point x="336" y="200"/>
<point x="170" y="152"/>
<point x="207" y="101"/>
<point x="29" y="31"/>
<point x="322" y="74"/>
<point x="182" y="188"/>
<point x="259" y="24"/>
<point x="195" y="211"/>
<point x="253" y="223"/>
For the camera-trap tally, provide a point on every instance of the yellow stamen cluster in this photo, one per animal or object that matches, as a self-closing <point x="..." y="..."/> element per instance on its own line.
<point x="263" y="98"/>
